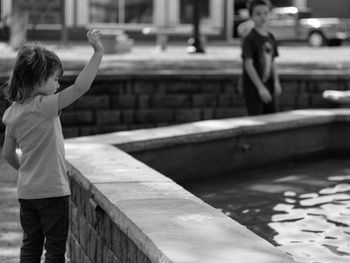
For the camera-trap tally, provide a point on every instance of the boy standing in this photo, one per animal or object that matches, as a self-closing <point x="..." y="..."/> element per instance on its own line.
<point x="261" y="84"/>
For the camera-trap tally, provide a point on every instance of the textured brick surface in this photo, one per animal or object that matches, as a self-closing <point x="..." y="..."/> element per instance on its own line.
<point x="93" y="237"/>
<point x="126" y="102"/>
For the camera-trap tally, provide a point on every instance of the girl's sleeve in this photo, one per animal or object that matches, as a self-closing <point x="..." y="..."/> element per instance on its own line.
<point x="48" y="105"/>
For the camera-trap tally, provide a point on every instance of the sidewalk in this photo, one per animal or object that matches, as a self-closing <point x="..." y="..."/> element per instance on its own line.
<point x="218" y="56"/>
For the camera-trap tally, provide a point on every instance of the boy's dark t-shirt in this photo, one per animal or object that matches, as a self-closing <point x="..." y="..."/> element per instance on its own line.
<point x="263" y="50"/>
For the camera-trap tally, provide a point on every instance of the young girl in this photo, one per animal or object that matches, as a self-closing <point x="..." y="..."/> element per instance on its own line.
<point x="33" y="125"/>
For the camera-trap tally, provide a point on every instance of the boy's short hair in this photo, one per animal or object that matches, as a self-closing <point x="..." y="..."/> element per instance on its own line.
<point x="253" y="3"/>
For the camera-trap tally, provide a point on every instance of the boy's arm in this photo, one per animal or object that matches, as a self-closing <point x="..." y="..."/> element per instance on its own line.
<point x="263" y="92"/>
<point x="9" y="152"/>
<point x="276" y="79"/>
<point x="86" y="76"/>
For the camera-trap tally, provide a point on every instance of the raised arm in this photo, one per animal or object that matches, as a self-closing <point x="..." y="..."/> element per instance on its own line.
<point x="87" y="75"/>
<point x="276" y="79"/>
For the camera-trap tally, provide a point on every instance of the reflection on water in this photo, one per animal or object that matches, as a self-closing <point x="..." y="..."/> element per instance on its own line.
<point x="316" y="227"/>
<point x="304" y="208"/>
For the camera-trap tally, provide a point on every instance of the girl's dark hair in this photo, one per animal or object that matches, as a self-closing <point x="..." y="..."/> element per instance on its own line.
<point x="34" y="65"/>
<point x="253" y="3"/>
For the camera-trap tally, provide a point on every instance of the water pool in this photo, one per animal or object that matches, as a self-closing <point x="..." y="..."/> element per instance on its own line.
<point x="302" y="207"/>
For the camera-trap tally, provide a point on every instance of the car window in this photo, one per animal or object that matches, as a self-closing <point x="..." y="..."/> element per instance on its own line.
<point x="281" y="16"/>
<point x="304" y="15"/>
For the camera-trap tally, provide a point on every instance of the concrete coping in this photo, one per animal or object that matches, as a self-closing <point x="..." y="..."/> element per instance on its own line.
<point x="165" y="221"/>
<point x="146" y="139"/>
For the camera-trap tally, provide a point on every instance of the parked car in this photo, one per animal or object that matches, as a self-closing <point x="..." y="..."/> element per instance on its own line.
<point x="291" y="23"/>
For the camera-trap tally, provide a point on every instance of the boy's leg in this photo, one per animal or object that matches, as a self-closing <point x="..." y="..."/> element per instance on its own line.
<point x="54" y="215"/>
<point x="254" y="107"/>
<point x="33" y="239"/>
<point x="271" y="107"/>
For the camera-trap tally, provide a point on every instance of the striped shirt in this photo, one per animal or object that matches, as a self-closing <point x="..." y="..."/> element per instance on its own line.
<point x="36" y="128"/>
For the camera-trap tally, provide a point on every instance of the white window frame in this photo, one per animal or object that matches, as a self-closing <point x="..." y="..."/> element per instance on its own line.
<point x="121" y="17"/>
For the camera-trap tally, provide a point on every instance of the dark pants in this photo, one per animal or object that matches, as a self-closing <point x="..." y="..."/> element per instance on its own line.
<point x="257" y="107"/>
<point x="44" y="221"/>
<point x="253" y="102"/>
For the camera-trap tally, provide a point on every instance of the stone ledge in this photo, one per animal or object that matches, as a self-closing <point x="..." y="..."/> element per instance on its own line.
<point x="195" y="132"/>
<point x="165" y="221"/>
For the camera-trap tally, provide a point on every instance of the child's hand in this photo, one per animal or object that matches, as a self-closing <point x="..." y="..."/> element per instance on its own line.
<point x="265" y="95"/>
<point x="93" y="36"/>
<point x="278" y="88"/>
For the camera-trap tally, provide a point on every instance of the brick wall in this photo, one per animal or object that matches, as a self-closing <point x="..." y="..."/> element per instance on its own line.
<point x="117" y="103"/>
<point x="93" y="236"/>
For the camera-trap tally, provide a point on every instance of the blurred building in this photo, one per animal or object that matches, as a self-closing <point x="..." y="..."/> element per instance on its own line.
<point x="327" y="8"/>
<point x="135" y="17"/>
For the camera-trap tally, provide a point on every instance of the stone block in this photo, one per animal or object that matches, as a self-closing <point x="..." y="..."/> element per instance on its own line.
<point x="153" y="115"/>
<point x="127" y="116"/>
<point x="321" y="86"/>
<point x="107" y="255"/>
<point x="86" y="259"/>
<point x="187" y="115"/>
<point x="144" y="126"/>
<point x="170" y="101"/>
<point x="92" y="251"/>
<point x="225" y="100"/>
<point x="132" y="251"/>
<point x="107" y="117"/>
<point x="229" y="113"/>
<point x="71" y="247"/>
<point x="289" y="100"/>
<point x="116" y="241"/>
<point x="82" y="232"/>
<point x="229" y="87"/>
<point x="92" y="102"/>
<point x="115" y="260"/>
<point x="204" y="100"/>
<point x="87" y="130"/>
<point x="123" y="247"/>
<point x="77" y="118"/>
<point x="123" y="101"/>
<point x="317" y="101"/>
<point x="143" y="101"/>
<point x="211" y="87"/>
<point x="101" y="88"/>
<point x="99" y="251"/>
<point x="110" y="128"/>
<point x="207" y="114"/>
<point x="73" y="219"/>
<point x="141" y="257"/>
<point x="144" y="87"/>
<point x="69" y="132"/>
<point x="181" y="87"/>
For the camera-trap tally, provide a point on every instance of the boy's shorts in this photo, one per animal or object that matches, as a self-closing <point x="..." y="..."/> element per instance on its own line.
<point x="257" y="107"/>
